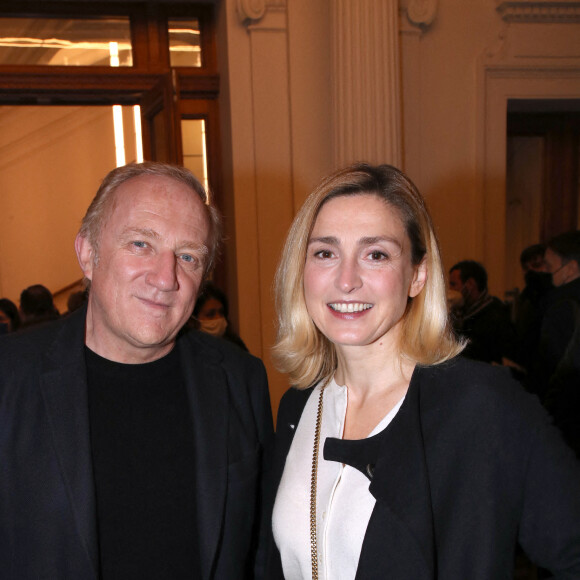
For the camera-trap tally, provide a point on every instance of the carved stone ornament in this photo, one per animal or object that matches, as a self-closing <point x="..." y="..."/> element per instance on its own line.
<point x="251" y="10"/>
<point x="539" y="10"/>
<point x="421" y="12"/>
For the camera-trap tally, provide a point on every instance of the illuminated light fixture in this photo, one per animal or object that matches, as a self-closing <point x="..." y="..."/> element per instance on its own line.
<point x="117" y="112"/>
<point x="138" y="134"/>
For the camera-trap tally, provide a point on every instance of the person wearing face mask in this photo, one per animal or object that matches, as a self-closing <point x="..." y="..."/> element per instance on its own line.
<point x="556" y="371"/>
<point x="210" y="315"/>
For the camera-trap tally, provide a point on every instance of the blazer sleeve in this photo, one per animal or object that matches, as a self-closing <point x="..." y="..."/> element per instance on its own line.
<point x="550" y="523"/>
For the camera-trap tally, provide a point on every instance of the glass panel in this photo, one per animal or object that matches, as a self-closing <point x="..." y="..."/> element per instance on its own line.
<point x="194" y="148"/>
<point x="184" y="42"/>
<point x="66" y="42"/>
<point x="52" y="162"/>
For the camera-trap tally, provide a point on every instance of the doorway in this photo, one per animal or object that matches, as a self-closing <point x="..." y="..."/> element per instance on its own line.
<point x="542" y="172"/>
<point x="63" y="67"/>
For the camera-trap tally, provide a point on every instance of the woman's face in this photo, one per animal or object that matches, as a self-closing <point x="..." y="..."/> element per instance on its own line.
<point x="358" y="272"/>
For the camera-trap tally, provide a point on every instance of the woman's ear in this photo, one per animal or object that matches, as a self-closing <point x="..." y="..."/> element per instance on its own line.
<point x="419" y="278"/>
<point x="85" y="255"/>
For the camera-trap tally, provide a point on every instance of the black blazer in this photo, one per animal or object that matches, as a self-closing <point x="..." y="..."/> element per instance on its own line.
<point x="48" y="525"/>
<point x="468" y="466"/>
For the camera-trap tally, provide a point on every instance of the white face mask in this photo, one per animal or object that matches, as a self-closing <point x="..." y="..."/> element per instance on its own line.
<point x="214" y="326"/>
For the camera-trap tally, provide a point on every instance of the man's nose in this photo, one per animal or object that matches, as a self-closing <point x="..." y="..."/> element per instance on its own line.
<point x="348" y="276"/>
<point x="163" y="272"/>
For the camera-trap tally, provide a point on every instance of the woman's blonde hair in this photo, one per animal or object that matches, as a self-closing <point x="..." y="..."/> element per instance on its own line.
<point x="301" y="350"/>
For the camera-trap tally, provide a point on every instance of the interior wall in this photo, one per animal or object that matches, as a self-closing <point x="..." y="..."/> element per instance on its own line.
<point x="458" y="72"/>
<point x="275" y="117"/>
<point x="42" y="192"/>
<point x="458" y="76"/>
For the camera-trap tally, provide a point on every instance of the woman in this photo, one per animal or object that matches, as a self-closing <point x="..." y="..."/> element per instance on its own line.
<point x="210" y="315"/>
<point x="395" y="458"/>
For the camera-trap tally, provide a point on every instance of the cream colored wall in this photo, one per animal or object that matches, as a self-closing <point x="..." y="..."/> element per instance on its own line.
<point x="42" y="193"/>
<point x="275" y="108"/>
<point x="457" y="74"/>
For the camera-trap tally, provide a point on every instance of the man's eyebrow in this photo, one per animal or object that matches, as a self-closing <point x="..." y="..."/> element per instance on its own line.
<point x="149" y="233"/>
<point x="145" y="232"/>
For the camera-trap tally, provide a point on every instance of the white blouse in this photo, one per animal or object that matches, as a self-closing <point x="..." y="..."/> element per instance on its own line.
<point x="344" y="503"/>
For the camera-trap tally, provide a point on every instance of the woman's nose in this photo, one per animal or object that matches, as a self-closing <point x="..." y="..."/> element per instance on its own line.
<point x="348" y="276"/>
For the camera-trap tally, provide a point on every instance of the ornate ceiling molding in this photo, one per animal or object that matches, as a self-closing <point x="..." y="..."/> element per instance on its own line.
<point x="564" y="11"/>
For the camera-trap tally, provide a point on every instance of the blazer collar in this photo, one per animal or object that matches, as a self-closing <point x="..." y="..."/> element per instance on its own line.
<point x="209" y="400"/>
<point x="65" y="392"/>
<point x="63" y="385"/>
<point x="394" y="461"/>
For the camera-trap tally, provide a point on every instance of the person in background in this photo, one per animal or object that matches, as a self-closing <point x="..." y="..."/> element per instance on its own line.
<point x="9" y="316"/>
<point x="530" y="302"/>
<point x="76" y="300"/>
<point x="555" y="375"/>
<point x="211" y="315"/>
<point x="484" y="320"/>
<point x="129" y="451"/>
<point x="395" y="457"/>
<point x="37" y="306"/>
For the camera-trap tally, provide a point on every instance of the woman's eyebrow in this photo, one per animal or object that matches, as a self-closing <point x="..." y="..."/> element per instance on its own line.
<point x="370" y="240"/>
<point x="330" y="240"/>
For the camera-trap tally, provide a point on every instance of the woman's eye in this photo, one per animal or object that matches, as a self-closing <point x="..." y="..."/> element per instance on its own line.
<point x="377" y="255"/>
<point x="323" y="254"/>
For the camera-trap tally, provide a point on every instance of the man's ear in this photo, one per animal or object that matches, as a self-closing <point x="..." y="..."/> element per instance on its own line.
<point x="419" y="278"/>
<point x="85" y="255"/>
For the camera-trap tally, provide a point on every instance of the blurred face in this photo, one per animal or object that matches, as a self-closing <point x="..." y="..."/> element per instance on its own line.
<point x="455" y="282"/>
<point x="358" y="273"/>
<point x="211" y="310"/>
<point x="150" y="264"/>
<point x="5" y="322"/>
<point x="562" y="271"/>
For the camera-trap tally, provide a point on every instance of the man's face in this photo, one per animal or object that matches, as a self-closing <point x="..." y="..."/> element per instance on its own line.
<point x="146" y="276"/>
<point x="562" y="271"/>
<point x="455" y="282"/>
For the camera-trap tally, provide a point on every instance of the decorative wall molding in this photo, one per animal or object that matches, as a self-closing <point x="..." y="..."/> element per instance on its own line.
<point x="549" y="11"/>
<point x="366" y="81"/>
<point x="252" y="11"/>
<point x="421" y="12"/>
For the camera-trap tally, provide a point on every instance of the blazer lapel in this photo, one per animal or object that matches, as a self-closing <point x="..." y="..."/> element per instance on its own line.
<point x="401" y="480"/>
<point x="208" y="394"/>
<point x="64" y="388"/>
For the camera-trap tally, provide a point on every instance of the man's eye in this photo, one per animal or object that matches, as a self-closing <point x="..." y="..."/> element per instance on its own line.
<point x="139" y="244"/>
<point x="188" y="259"/>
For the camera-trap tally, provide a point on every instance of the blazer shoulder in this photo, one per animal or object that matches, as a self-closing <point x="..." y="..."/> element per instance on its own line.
<point x="37" y="341"/>
<point x="469" y="388"/>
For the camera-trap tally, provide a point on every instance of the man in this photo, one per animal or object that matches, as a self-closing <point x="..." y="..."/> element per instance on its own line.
<point x="529" y="303"/>
<point x="483" y="319"/>
<point x="129" y="451"/>
<point x="556" y="370"/>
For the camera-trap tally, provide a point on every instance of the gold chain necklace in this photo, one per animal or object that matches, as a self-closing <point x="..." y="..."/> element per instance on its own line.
<point x="313" y="481"/>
